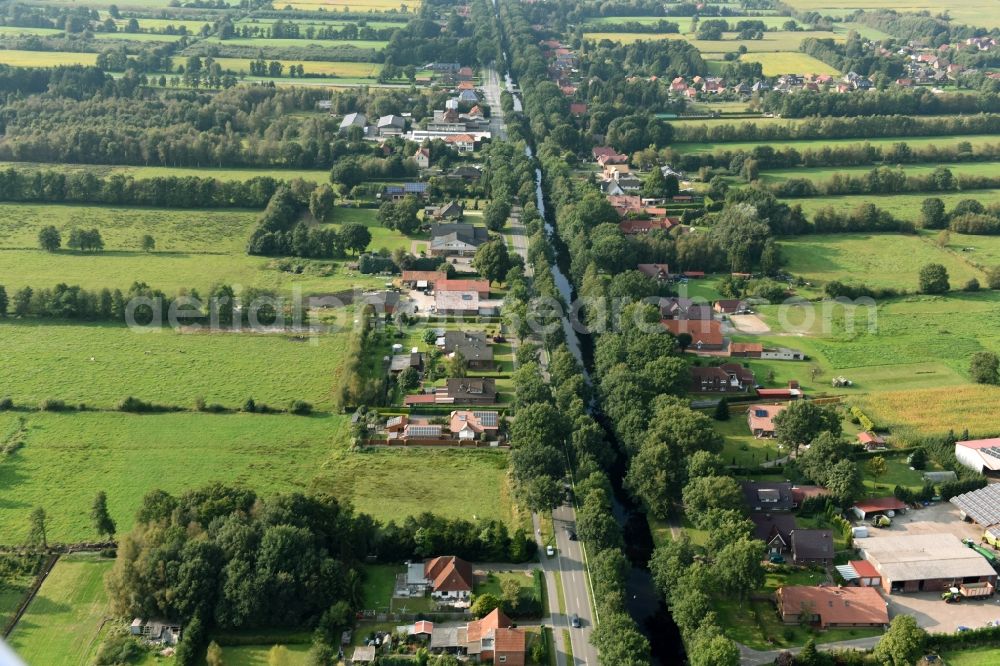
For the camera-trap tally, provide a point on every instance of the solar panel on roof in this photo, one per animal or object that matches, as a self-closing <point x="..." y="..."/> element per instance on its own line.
<point x="488" y="419"/>
<point x="424" y="431"/>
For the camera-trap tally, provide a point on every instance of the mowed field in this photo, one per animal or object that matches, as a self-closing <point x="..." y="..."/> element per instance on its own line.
<point x="878" y="260"/>
<point x="310" y="67"/>
<point x="299" y="43"/>
<point x="67" y="458"/>
<point x="99" y="364"/>
<point x="61" y="626"/>
<point x="818" y="144"/>
<point x="411" y="6"/>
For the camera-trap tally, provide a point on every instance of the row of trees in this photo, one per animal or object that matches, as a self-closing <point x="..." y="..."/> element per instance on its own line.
<point x="883" y="180"/>
<point x="85" y="240"/>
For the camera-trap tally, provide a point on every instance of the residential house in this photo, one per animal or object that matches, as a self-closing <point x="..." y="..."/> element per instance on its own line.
<point x="383" y="302"/>
<point x="399" y="192"/>
<point x="459" y="239"/>
<point x="679" y="84"/>
<point x="449" y="578"/>
<point x="423" y="158"/>
<point x="829" y="607"/>
<point x="468" y="96"/>
<point x="449" y="211"/>
<point x="457" y="303"/>
<point x="870" y="441"/>
<point x="729" y="306"/>
<point x="353" y="120"/>
<point x="463" y="143"/>
<point x="760" y="418"/>
<point x="812" y="547"/>
<point x="706" y="335"/>
<point x="467" y="173"/>
<point x="471" y="425"/>
<point x="401" y="362"/>
<point x="742" y="88"/>
<point x="391" y="125"/>
<point x="768" y="496"/>
<point x="604" y="155"/>
<point x="464" y="74"/>
<point x="490" y="639"/>
<point x="726" y="378"/>
<point x="981" y="455"/>
<point x="577" y="109"/>
<point x="774" y="529"/>
<point x="633" y="227"/>
<point x="472" y="390"/>
<point x="471" y="345"/>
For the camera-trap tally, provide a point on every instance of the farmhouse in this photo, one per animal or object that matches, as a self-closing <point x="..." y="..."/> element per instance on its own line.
<point x="449" y="578"/>
<point x="729" y="306"/>
<point x="980" y="506"/>
<point x="156" y="630"/>
<point x="832" y="606"/>
<point x="460" y="239"/>
<point x="812" y="547"/>
<point x="422" y="279"/>
<point x="659" y="272"/>
<point x="760" y="418"/>
<point x="481" y="287"/>
<point x="607" y="155"/>
<point x="491" y="639"/>
<point x="457" y="303"/>
<point x="768" y="496"/>
<point x="633" y="227"/>
<point x="398" y="192"/>
<point x="925" y="562"/>
<point x="422" y="157"/>
<point x="674" y="307"/>
<point x="449" y="211"/>
<point x="981" y="455"/>
<point x="706" y="335"/>
<point x="871" y="507"/>
<point x="726" y="378"/>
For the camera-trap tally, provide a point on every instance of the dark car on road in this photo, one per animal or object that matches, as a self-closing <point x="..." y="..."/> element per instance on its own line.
<point x="575" y="621"/>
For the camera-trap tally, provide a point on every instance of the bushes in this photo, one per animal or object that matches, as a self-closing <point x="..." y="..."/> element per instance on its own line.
<point x="865" y="422"/>
<point x="6" y="403"/>
<point x="952" y="488"/>
<point x="137" y="406"/>
<point x="54" y="405"/>
<point x="300" y="408"/>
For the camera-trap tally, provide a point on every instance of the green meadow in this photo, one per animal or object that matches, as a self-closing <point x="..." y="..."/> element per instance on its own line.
<point x="102" y="170"/>
<point x="264" y="42"/>
<point x="63" y="622"/>
<point x="819" y="144"/>
<point x="825" y="173"/>
<point x="68" y="457"/>
<point x="99" y="364"/>
<point x="903" y="206"/>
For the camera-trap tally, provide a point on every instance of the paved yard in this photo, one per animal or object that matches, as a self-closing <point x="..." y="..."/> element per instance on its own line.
<point x="938" y="518"/>
<point x="936" y="616"/>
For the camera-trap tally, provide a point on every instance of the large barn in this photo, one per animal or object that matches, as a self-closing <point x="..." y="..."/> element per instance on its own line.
<point x="925" y="562"/>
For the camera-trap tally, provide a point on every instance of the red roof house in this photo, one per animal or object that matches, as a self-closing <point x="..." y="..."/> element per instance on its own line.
<point x="449" y="577"/>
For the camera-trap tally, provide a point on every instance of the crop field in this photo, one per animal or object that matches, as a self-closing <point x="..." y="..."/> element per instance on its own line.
<point x="103" y="170"/>
<point x="299" y="43"/>
<point x="311" y="67"/>
<point x="824" y="173"/>
<point x="879" y="260"/>
<point x="788" y="62"/>
<point x="975" y="140"/>
<point x="137" y="36"/>
<point x="62" y="623"/>
<point x="935" y="411"/>
<point x="67" y="458"/>
<point x="99" y="364"/>
<point x="16" y="58"/>
<point x="630" y="37"/>
<point x="906" y="207"/>
<point x="349" y="5"/>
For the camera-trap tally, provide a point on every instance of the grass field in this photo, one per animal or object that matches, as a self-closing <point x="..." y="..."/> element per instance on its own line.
<point x="348" y="5"/>
<point x="818" y="144"/>
<point x="102" y="170"/>
<point x="380" y="581"/>
<point x="299" y="43"/>
<point x="194" y="249"/>
<point x="16" y="58"/>
<point x="825" y="173"/>
<point x="16" y="30"/>
<point x="683" y="22"/>
<point x="742" y="448"/>
<point x="67" y="458"/>
<point x="159" y="24"/>
<point x="882" y="260"/>
<point x="787" y="41"/>
<point x="975" y="12"/>
<point x="905" y="207"/>
<point x="317" y="23"/>
<point x="382" y="237"/>
<point x="260" y="655"/>
<point x="136" y="37"/>
<point x="311" y="67"/>
<point x="62" y="623"/>
<point x="99" y="364"/>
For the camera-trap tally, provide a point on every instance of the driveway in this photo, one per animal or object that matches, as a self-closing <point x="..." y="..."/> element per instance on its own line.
<point x="939" y="617"/>
<point x="938" y="518"/>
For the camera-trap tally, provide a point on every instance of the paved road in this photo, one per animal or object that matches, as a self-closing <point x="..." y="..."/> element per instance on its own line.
<point x="751" y="657"/>
<point x="491" y="90"/>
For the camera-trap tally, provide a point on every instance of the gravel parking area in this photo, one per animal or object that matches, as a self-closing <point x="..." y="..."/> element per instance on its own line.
<point x="938" y="518"/>
<point x="940" y="617"/>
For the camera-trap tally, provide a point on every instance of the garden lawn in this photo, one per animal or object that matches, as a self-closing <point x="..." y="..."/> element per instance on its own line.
<point x="296" y="654"/>
<point x="898" y="473"/>
<point x="99" y="364"/>
<point x="63" y="621"/>
<point x="788" y="62"/>
<point x="877" y="260"/>
<point x="972" y="656"/>
<point x="380" y="581"/>
<point x="382" y="237"/>
<point x="741" y="448"/>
